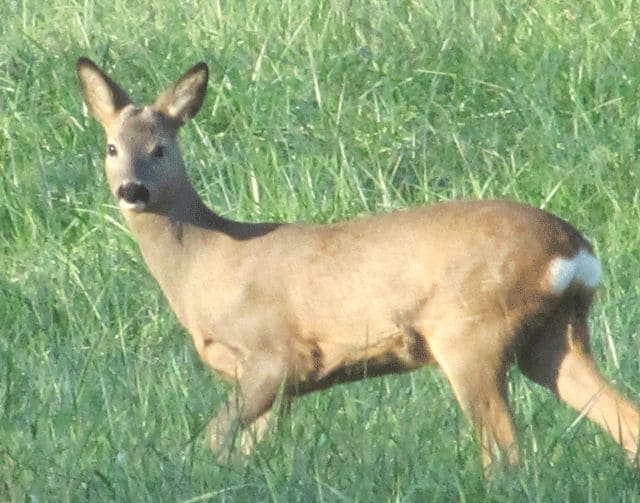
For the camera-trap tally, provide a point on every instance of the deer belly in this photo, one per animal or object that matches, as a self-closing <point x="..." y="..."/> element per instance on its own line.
<point x="335" y="363"/>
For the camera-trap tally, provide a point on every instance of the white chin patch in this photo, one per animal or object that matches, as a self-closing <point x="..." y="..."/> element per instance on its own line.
<point x="137" y="206"/>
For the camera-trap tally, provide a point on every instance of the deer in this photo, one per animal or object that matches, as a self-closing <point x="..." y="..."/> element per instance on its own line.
<point x="279" y="310"/>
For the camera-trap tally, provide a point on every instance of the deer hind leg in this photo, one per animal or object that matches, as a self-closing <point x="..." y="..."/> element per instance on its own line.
<point x="477" y="375"/>
<point x="560" y="359"/>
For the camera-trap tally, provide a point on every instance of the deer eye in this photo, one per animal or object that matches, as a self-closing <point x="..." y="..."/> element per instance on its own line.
<point x="158" y="151"/>
<point x="112" y="150"/>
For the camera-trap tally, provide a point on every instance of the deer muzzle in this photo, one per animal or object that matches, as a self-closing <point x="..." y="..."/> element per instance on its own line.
<point x="133" y="196"/>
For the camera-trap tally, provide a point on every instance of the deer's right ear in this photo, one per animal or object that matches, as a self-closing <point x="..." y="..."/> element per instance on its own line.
<point x="183" y="100"/>
<point x="103" y="96"/>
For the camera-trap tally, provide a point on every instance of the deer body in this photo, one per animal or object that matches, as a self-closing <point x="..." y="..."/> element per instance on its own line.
<point x="469" y="286"/>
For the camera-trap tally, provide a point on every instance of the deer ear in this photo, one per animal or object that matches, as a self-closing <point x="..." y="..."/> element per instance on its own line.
<point x="183" y="100"/>
<point x="103" y="96"/>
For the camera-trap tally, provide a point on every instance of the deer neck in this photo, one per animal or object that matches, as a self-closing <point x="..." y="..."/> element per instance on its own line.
<point x="168" y="239"/>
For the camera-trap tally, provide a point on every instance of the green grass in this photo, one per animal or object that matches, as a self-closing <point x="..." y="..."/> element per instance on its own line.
<point x="317" y="110"/>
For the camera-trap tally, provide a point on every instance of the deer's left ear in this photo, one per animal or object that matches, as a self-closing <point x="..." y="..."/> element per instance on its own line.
<point x="102" y="95"/>
<point x="183" y="100"/>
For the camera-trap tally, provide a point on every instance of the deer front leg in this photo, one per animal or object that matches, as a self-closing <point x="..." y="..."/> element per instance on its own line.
<point x="252" y="435"/>
<point x="255" y="392"/>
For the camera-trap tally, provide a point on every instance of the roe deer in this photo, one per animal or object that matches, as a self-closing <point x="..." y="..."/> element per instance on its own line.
<point x="291" y="308"/>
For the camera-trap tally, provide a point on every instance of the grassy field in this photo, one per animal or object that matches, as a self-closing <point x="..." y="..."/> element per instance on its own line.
<point x="318" y="111"/>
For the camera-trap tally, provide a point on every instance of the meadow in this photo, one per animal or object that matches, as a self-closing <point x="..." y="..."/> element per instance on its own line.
<point x="318" y="110"/>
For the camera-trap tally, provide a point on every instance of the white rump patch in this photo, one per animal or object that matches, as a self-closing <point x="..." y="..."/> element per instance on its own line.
<point x="584" y="268"/>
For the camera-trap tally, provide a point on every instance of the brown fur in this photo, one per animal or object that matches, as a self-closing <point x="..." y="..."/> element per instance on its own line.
<point x="299" y="308"/>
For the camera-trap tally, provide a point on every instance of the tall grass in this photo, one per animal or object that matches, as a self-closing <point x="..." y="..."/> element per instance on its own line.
<point x="318" y="111"/>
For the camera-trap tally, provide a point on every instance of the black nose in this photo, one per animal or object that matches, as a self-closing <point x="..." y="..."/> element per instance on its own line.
<point x="133" y="192"/>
